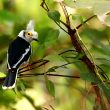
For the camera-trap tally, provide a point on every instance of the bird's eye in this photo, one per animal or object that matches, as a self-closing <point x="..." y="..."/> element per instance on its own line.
<point x="29" y="34"/>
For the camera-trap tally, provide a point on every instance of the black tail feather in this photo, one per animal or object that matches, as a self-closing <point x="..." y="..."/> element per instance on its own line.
<point x="10" y="80"/>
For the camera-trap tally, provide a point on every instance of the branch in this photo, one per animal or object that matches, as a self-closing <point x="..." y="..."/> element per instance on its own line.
<point x="33" y="63"/>
<point x="75" y="41"/>
<point x="22" y="71"/>
<point x="44" y="5"/>
<point x="85" y="22"/>
<point x="40" y="61"/>
<point x="48" y="74"/>
<point x="61" y="27"/>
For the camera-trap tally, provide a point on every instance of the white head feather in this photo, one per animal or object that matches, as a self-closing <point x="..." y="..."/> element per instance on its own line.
<point x="29" y="29"/>
<point x="30" y="25"/>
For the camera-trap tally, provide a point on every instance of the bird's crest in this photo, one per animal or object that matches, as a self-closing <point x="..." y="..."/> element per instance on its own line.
<point x="30" y="25"/>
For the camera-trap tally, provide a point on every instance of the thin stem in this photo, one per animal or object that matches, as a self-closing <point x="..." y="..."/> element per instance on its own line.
<point x="65" y="13"/>
<point x="41" y="61"/>
<point x="61" y="27"/>
<point x="64" y="23"/>
<point x="22" y="71"/>
<point x="52" y="107"/>
<point x="33" y="63"/>
<point x="49" y="74"/>
<point x="44" y="6"/>
<point x="66" y="51"/>
<point x="85" y="21"/>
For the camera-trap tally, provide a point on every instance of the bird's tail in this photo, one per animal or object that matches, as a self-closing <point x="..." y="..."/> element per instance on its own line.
<point x="10" y="79"/>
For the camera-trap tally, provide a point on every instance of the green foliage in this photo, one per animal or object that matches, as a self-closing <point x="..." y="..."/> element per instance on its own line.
<point x="46" y="40"/>
<point x="78" y="18"/>
<point x="54" y="15"/>
<point x="51" y="37"/>
<point x="50" y="86"/>
<point x="52" y="41"/>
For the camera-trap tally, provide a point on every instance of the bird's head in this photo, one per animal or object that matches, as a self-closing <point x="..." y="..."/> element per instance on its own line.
<point x="29" y="34"/>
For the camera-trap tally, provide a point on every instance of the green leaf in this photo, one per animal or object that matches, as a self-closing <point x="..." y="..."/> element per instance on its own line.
<point x="54" y="15"/>
<point x="40" y="51"/>
<point x="105" y="89"/>
<point x="50" y="86"/>
<point x="51" y="37"/>
<point x="78" y="18"/>
<point x="51" y="70"/>
<point x="2" y="75"/>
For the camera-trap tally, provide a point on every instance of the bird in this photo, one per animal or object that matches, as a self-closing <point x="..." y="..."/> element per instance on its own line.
<point x="18" y="53"/>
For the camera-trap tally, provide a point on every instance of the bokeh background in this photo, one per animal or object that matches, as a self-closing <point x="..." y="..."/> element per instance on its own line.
<point x="31" y="92"/>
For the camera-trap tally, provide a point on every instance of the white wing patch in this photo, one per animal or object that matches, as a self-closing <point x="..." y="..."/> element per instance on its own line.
<point x="23" y="55"/>
<point x="8" y="62"/>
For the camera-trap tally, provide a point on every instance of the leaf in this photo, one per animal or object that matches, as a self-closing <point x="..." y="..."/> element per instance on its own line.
<point x="54" y="15"/>
<point x="51" y="37"/>
<point x="51" y="70"/>
<point x="40" y="51"/>
<point x="48" y="37"/>
<point x="50" y="86"/>
<point x="78" y="18"/>
<point x="106" y="90"/>
<point x="2" y="75"/>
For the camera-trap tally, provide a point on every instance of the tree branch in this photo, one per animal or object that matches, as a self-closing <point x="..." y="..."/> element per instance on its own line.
<point x="75" y="41"/>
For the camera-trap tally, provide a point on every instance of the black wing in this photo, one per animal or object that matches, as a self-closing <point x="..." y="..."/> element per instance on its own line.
<point x="18" y="52"/>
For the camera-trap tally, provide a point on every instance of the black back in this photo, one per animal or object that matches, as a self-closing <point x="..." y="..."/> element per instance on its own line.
<point x="16" y="49"/>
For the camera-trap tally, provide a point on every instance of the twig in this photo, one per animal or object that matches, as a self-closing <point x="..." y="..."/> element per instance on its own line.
<point x="43" y="4"/>
<point x="22" y="71"/>
<point x="66" y="51"/>
<point x="41" y="74"/>
<point x="33" y="63"/>
<point x="63" y="23"/>
<point x="52" y="107"/>
<point x="85" y="21"/>
<point x="41" y="61"/>
<point x="61" y="27"/>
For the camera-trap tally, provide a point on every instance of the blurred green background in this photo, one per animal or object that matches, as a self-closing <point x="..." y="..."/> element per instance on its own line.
<point x="31" y="93"/>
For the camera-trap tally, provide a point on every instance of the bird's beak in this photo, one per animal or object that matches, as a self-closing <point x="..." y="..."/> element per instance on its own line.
<point x="35" y="39"/>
